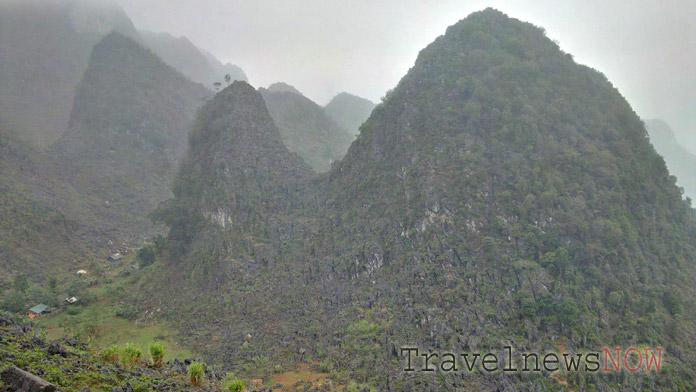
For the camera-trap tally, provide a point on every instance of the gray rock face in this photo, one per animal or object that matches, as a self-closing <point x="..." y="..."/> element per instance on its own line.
<point x="20" y="381"/>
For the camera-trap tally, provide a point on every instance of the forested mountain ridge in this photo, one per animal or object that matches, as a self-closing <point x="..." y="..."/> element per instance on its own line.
<point x="237" y="172"/>
<point x="305" y="128"/>
<point x="500" y="194"/>
<point x="235" y="210"/>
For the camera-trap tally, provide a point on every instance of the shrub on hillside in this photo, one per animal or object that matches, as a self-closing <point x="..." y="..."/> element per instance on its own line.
<point x="127" y="311"/>
<point x="196" y="371"/>
<point x="130" y="355"/>
<point x="110" y="354"/>
<point x="157" y="353"/>
<point x="146" y="255"/>
<point x="234" y="384"/>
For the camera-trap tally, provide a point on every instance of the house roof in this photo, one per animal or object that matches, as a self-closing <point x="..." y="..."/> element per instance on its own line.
<point x="38" y="309"/>
<point x="116" y="256"/>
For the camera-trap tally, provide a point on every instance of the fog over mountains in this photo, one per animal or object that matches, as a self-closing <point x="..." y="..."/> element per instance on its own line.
<point x="500" y="194"/>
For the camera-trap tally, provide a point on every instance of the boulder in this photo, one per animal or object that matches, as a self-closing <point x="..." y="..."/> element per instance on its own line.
<point x="20" y="381"/>
<point x="54" y="348"/>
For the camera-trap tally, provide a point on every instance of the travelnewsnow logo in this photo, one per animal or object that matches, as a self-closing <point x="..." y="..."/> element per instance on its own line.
<point x="632" y="359"/>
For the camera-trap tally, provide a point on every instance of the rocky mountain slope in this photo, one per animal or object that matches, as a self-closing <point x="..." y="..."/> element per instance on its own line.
<point x="128" y="133"/>
<point x="501" y="194"/>
<point x="680" y="161"/>
<point x="349" y="111"/>
<point x="305" y="128"/>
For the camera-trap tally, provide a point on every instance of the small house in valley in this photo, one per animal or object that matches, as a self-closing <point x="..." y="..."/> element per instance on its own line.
<point x="38" y="310"/>
<point x="115" y="258"/>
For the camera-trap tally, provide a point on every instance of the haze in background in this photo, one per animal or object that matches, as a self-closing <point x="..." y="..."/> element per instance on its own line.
<point x="646" y="48"/>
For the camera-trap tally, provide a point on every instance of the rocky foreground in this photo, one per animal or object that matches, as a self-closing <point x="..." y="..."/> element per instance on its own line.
<point x="29" y="363"/>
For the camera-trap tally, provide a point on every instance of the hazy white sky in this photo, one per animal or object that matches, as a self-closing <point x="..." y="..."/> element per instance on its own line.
<point x="646" y="48"/>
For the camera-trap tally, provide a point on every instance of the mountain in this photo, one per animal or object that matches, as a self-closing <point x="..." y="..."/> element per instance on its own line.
<point x="281" y="87"/>
<point x="127" y="134"/>
<point x="191" y="61"/>
<point x="680" y="161"/>
<point x="235" y="72"/>
<point x="501" y="194"/>
<point x="305" y="128"/>
<point x="523" y="186"/>
<point x="45" y="46"/>
<point x="237" y="174"/>
<point x="231" y="218"/>
<point x="349" y="111"/>
<point x="44" y="49"/>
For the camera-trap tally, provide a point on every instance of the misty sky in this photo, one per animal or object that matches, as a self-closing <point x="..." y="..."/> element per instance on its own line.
<point x="647" y="49"/>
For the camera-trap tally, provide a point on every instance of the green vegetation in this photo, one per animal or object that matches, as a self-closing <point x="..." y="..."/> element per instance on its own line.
<point x="157" y="353"/>
<point x="146" y="255"/>
<point x="499" y="193"/>
<point x="80" y="369"/>
<point x="13" y="301"/>
<point x="110" y="354"/>
<point x="130" y="355"/>
<point x="233" y="384"/>
<point x="196" y="371"/>
<point x="97" y="183"/>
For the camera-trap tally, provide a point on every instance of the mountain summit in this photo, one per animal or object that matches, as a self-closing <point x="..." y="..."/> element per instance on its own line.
<point x="522" y="186"/>
<point x="349" y="111"/>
